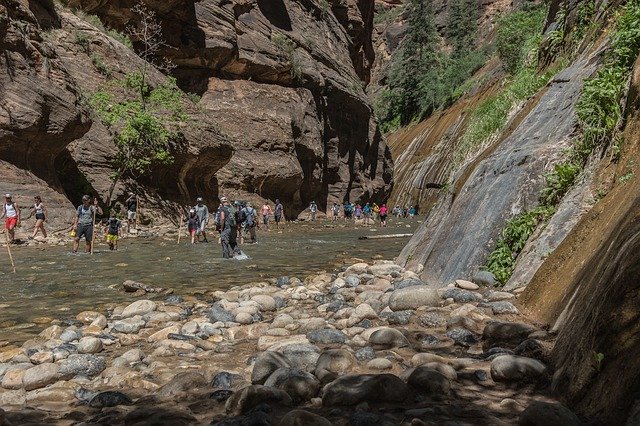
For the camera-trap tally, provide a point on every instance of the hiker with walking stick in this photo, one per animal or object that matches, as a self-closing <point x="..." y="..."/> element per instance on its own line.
<point x="83" y="222"/>
<point x="11" y="215"/>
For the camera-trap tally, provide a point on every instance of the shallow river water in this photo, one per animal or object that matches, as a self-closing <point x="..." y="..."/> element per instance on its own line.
<point x="51" y="282"/>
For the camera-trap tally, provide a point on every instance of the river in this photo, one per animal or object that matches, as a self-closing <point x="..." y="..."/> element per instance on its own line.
<point x="51" y="283"/>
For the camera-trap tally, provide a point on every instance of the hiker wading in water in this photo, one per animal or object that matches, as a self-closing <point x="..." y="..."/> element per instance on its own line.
<point x="11" y="213"/>
<point x="228" y="229"/>
<point x="83" y="222"/>
<point x="203" y="215"/>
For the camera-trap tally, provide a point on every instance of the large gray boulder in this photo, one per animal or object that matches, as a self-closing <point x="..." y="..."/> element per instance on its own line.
<point x="513" y="368"/>
<point x="413" y="298"/>
<point x="300" y="385"/>
<point x="354" y="389"/>
<point x="266" y="363"/>
<point x="247" y="398"/>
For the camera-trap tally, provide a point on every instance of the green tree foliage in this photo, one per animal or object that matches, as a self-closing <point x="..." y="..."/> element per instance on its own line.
<point x="516" y="32"/>
<point x="421" y="78"/>
<point x="144" y="119"/>
<point x="461" y="27"/>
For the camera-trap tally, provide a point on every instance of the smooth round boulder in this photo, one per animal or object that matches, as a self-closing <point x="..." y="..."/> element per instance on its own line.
<point x="379" y="364"/>
<point x="513" y="368"/>
<point x="333" y="363"/>
<point x="89" y="345"/>
<point x="303" y="418"/>
<point x="266" y="363"/>
<point x="139" y="307"/>
<point x="40" y="376"/>
<point x="413" y="298"/>
<point x="387" y="338"/>
<point x="300" y="385"/>
<point x="246" y="399"/>
<point x="244" y="318"/>
<point x="327" y="336"/>
<point x="129" y="325"/>
<point x="540" y="413"/>
<point x="429" y="381"/>
<point x="266" y="302"/>
<point x="354" y="389"/>
<point x="467" y="285"/>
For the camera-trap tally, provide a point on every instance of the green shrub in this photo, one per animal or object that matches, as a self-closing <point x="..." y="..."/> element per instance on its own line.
<point x="515" y="235"/>
<point x="515" y="33"/>
<point x="98" y="62"/>
<point x="599" y="114"/>
<point x="81" y="39"/>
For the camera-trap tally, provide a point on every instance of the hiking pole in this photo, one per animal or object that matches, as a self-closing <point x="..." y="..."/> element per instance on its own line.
<point x="13" y="265"/>
<point x="93" y="225"/>
<point x="180" y="227"/>
<point x="138" y="210"/>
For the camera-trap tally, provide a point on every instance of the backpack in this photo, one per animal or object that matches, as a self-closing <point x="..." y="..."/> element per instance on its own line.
<point x="248" y="215"/>
<point x="216" y="219"/>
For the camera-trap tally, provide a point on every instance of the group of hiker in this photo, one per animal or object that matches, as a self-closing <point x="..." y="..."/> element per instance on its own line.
<point x="369" y="213"/>
<point x="234" y="222"/>
<point x="12" y="218"/>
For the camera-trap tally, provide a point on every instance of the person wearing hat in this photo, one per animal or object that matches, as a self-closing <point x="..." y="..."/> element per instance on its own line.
<point x="203" y="215"/>
<point x="132" y="209"/>
<point x="11" y="215"/>
<point x="249" y="216"/>
<point x="228" y="229"/>
<point x="83" y="222"/>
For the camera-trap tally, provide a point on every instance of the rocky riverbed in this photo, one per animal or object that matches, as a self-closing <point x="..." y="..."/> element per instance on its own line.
<point x="369" y="345"/>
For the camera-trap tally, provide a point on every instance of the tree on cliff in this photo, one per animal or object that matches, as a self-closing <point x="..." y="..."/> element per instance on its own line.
<point x="145" y="120"/>
<point x="421" y="77"/>
<point x="417" y="56"/>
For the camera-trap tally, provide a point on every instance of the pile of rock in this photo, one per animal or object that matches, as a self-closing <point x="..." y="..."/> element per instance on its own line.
<point x="371" y="335"/>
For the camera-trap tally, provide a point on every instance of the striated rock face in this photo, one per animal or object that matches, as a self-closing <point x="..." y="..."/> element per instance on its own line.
<point x="40" y="111"/>
<point x="588" y="290"/>
<point x="284" y="79"/>
<point x="506" y="178"/>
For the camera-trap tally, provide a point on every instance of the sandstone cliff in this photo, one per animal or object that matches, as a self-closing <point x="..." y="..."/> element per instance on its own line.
<point x="284" y="81"/>
<point x="277" y="104"/>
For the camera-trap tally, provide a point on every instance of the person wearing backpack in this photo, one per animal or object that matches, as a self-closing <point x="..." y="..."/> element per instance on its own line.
<point x="228" y="229"/>
<point x="249" y="222"/>
<point x="83" y="222"/>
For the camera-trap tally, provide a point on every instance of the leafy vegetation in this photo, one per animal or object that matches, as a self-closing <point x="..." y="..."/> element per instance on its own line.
<point x="98" y="61"/>
<point x="288" y="46"/>
<point x="387" y="15"/>
<point x="519" y="34"/>
<point x="97" y="22"/>
<point x="514" y="236"/>
<point x="144" y="119"/>
<point x="421" y="77"/>
<point x="599" y="114"/>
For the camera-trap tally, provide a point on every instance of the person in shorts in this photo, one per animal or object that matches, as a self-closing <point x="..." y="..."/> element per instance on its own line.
<point x="278" y="213"/>
<point x="193" y="225"/>
<point x="335" y="209"/>
<point x="266" y="214"/>
<point x="11" y="215"/>
<point x="132" y="209"/>
<point x="113" y="231"/>
<point x="83" y="222"/>
<point x="202" y="212"/>
<point x="40" y="211"/>
<point x="383" y="215"/>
